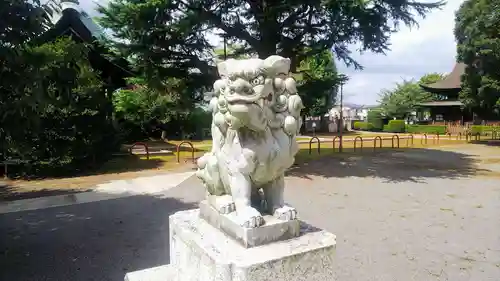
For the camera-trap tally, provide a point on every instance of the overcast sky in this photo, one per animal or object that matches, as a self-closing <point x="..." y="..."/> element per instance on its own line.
<point x="414" y="52"/>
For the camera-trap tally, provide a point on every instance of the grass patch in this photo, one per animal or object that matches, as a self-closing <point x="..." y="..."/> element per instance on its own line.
<point x="127" y="167"/>
<point x="491" y="161"/>
<point x="326" y="148"/>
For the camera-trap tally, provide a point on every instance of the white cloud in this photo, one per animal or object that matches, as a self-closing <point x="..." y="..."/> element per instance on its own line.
<point x="414" y="52"/>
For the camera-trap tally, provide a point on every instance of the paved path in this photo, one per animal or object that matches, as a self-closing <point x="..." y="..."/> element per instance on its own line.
<point x="400" y="217"/>
<point x="93" y="241"/>
<point x="111" y="190"/>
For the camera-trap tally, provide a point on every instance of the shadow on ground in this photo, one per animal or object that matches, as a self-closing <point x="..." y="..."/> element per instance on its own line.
<point x="129" y="163"/>
<point x="160" y="145"/>
<point x="93" y="241"/>
<point x="10" y="193"/>
<point x="393" y="165"/>
<point x="487" y="142"/>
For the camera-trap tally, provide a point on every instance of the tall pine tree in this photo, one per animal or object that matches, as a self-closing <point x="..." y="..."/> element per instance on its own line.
<point x="169" y="38"/>
<point x="477" y="31"/>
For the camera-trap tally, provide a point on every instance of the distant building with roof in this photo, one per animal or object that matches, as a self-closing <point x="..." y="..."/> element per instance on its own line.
<point x="448" y="108"/>
<point x="75" y="23"/>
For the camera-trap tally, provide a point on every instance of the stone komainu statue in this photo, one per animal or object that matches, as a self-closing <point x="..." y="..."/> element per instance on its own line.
<point x="256" y="117"/>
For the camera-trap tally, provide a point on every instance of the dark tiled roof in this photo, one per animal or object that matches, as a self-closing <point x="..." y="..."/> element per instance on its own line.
<point x="94" y="29"/>
<point x="452" y="81"/>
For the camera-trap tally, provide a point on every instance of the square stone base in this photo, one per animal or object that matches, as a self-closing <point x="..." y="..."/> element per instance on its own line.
<point x="273" y="229"/>
<point x="200" y="252"/>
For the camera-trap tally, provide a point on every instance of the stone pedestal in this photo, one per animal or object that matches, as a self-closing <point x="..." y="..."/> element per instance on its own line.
<point x="201" y="252"/>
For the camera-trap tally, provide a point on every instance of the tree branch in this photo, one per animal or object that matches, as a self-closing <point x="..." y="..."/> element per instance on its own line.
<point x="237" y="30"/>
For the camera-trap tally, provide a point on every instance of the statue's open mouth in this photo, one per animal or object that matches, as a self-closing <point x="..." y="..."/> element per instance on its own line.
<point x="252" y="98"/>
<point x="238" y="98"/>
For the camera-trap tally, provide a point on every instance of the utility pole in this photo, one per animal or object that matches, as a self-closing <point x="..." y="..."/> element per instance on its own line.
<point x="225" y="47"/>
<point x="341" y="129"/>
<point x="342" y="79"/>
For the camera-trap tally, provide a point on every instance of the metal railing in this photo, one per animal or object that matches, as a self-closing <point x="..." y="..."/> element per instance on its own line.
<point x="356" y="141"/>
<point x="179" y="150"/>
<point x="310" y="145"/>
<point x="146" y="148"/>
<point x="375" y="142"/>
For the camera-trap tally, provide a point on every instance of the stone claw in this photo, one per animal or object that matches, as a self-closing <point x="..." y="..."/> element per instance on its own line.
<point x="253" y="222"/>
<point x="250" y="217"/>
<point x="224" y="204"/>
<point x="227" y="208"/>
<point x="286" y="213"/>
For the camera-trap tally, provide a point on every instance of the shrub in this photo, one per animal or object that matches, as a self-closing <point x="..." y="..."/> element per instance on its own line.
<point x="395" y="126"/>
<point x="364" y="126"/>
<point x="357" y="125"/>
<point x="480" y="129"/>
<point x="426" y="129"/>
<point x="375" y="118"/>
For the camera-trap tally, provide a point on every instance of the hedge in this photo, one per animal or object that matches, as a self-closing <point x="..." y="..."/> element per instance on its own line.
<point x="483" y="129"/>
<point x="395" y="126"/>
<point x="364" y="126"/>
<point x="426" y="129"/>
<point x="375" y="118"/>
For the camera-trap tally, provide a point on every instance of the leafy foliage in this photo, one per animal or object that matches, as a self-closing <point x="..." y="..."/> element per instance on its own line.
<point x="364" y="126"/>
<point x="169" y="38"/>
<point x="426" y="129"/>
<point x="396" y="126"/>
<point x="51" y="109"/>
<point x="431" y="78"/>
<point x="271" y="27"/>
<point x="230" y="53"/>
<point x="405" y="97"/>
<point x="477" y="26"/>
<point x="375" y="117"/>
<point x="483" y="130"/>
<point x="141" y="110"/>
<point x="317" y="80"/>
<point x="22" y="20"/>
<point x="161" y="43"/>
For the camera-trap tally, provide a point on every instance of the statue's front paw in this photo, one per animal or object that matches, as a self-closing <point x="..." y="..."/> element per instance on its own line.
<point x="286" y="213"/>
<point x="250" y="217"/>
<point x="224" y="204"/>
<point x="227" y="208"/>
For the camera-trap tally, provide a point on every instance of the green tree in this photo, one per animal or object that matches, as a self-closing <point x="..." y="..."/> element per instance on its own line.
<point x="477" y="26"/>
<point x="163" y="44"/>
<point x="405" y="97"/>
<point x="267" y="27"/>
<point x="20" y="22"/>
<point x="431" y="78"/>
<point x="53" y="116"/>
<point x="230" y="53"/>
<point x="141" y="111"/>
<point x="169" y="38"/>
<point x="317" y="80"/>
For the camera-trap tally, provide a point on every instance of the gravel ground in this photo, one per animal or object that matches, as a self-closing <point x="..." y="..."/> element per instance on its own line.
<point x="438" y="229"/>
<point x="419" y="215"/>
